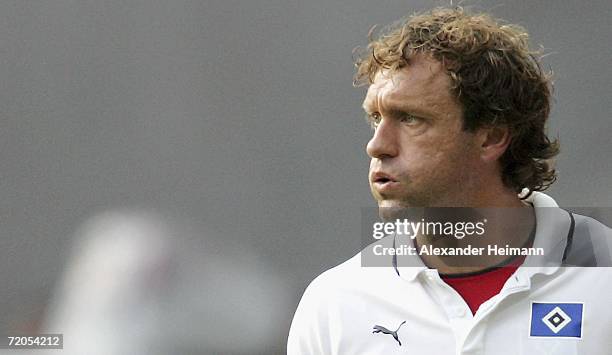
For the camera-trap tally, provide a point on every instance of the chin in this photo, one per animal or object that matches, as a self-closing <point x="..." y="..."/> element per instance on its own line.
<point x="391" y="204"/>
<point x="396" y="203"/>
<point x="390" y="210"/>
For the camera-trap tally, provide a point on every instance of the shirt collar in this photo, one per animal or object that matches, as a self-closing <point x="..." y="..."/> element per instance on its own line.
<point x="552" y="231"/>
<point x="416" y="265"/>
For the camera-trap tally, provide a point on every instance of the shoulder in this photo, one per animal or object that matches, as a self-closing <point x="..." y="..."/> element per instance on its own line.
<point x="589" y="225"/>
<point x="310" y="331"/>
<point x="589" y="242"/>
<point x="357" y="275"/>
<point x="336" y="297"/>
<point x="349" y="275"/>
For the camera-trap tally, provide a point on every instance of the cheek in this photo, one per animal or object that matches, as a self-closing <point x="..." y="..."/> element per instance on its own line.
<point x="426" y="150"/>
<point x="434" y="156"/>
<point x="371" y="164"/>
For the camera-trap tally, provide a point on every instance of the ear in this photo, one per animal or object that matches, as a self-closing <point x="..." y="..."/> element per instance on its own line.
<point x="493" y="142"/>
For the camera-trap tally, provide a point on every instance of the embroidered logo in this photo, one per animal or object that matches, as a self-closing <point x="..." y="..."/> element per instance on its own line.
<point x="556" y="320"/>
<point x="393" y="333"/>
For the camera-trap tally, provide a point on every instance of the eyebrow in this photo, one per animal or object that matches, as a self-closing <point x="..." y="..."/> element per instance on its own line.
<point x="400" y="110"/>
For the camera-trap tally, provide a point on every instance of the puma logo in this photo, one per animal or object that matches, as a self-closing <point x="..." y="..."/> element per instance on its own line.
<point x="381" y="329"/>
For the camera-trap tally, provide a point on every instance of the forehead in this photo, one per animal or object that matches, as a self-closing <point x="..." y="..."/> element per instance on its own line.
<point x="423" y="85"/>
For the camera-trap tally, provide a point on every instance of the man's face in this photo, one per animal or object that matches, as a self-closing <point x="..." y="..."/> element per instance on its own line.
<point x="421" y="156"/>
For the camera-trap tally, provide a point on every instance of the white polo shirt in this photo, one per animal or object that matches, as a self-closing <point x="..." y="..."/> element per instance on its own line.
<point x="540" y="309"/>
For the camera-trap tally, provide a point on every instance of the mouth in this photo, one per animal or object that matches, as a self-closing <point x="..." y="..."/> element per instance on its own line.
<point x="380" y="179"/>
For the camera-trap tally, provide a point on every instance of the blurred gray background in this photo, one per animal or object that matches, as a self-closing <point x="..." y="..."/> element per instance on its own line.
<point x="237" y="116"/>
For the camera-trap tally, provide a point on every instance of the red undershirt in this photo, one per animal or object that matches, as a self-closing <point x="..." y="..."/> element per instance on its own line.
<point x="479" y="287"/>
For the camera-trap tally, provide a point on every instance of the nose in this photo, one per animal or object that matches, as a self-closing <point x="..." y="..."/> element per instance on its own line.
<point x="384" y="142"/>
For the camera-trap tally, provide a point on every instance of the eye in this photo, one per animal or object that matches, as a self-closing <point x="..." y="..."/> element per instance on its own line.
<point x="374" y="119"/>
<point x="409" y="119"/>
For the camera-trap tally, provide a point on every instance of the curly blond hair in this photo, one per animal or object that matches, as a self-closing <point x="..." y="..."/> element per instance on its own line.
<point x="495" y="75"/>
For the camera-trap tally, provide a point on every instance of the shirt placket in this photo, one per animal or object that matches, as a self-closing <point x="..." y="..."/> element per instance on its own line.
<point x="469" y="330"/>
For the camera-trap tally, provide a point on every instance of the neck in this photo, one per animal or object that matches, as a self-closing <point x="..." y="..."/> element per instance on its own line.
<point x="506" y="221"/>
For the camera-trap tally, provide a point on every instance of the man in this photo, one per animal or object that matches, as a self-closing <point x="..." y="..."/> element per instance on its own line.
<point x="458" y="104"/>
